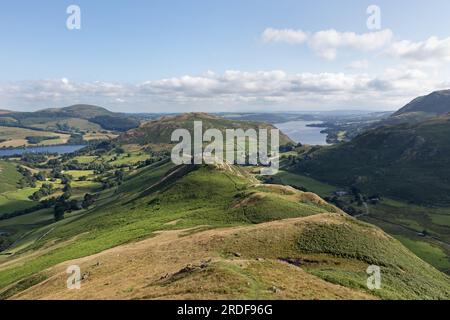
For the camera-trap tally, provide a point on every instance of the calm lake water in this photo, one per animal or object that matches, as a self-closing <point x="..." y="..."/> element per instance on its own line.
<point x="47" y="149"/>
<point x="300" y="132"/>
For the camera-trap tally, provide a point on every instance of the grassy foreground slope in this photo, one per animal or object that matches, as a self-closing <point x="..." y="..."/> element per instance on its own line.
<point x="213" y="232"/>
<point x="322" y="256"/>
<point x="145" y="203"/>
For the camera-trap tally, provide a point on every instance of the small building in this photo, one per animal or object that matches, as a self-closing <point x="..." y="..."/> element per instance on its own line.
<point x="340" y="193"/>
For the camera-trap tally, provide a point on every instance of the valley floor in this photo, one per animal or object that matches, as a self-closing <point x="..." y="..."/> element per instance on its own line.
<point x="404" y="221"/>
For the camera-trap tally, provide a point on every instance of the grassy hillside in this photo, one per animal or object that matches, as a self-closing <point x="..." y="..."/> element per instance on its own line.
<point x="204" y="197"/>
<point x="263" y="255"/>
<point x="9" y="176"/>
<point x="436" y="103"/>
<point x="160" y="131"/>
<point x="323" y="256"/>
<point x="409" y="162"/>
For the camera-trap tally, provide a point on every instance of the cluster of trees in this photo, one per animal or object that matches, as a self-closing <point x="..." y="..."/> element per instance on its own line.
<point x="97" y="167"/>
<point x="39" y="139"/>
<point x="28" y="178"/>
<point x="5" y="242"/>
<point x="64" y="205"/>
<point x="142" y="164"/>
<point x="76" y="138"/>
<point x="34" y="158"/>
<point x="358" y="199"/>
<point x="289" y="147"/>
<point x="61" y="205"/>
<point x="113" y="181"/>
<point x="46" y="190"/>
<point x="116" y="123"/>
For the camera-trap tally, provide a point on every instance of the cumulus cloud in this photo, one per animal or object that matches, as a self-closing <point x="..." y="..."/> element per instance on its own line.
<point x="432" y="50"/>
<point x="231" y="90"/>
<point x="327" y="43"/>
<point x="358" y="64"/>
<point x="284" y="35"/>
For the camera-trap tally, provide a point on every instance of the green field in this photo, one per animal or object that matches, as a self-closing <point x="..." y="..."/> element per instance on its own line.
<point x="86" y="159"/>
<point x="76" y="174"/>
<point x="11" y="201"/>
<point x="433" y="254"/>
<point x="11" y="198"/>
<point x="133" y="158"/>
<point x="114" y="159"/>
<point x="8" y="176"/>
<point x="322" y="189"/>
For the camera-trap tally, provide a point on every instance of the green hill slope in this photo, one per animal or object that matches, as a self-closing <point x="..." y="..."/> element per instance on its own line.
<point x="160" y="131"/>
<point x="404" y="161"/>
<point x="436" y="103"/>
<point x="264" y="246"/>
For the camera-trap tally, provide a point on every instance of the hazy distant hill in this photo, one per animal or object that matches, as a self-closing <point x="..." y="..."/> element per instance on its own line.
<point x="160" y="131"/>
<point x="436" y="103"/>
<point x="422" y="108"/>
<point x="46" y="119"/>
<point x="83" y="111"/>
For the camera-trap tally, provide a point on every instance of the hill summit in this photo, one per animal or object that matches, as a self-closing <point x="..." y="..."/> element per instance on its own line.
<point x="436" y="103"/>
<point x="94" y="114"/>
<point x="160" y="130"/>
<point x="84" y="111"/>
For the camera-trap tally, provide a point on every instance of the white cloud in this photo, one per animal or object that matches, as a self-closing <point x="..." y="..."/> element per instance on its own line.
<point x="284" y="35"/>
<point x="358" y="64"/>
<point x="326" y="43"/>
<point x="432" y="50"/>
<point x="231" y="90"/>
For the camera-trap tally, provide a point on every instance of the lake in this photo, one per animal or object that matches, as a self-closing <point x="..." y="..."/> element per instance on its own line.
<point x="63" y="149"/>
<point x="300" y="132"/>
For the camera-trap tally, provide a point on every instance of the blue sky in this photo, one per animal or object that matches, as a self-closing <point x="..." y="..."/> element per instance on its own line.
<point x="148" y="56"/>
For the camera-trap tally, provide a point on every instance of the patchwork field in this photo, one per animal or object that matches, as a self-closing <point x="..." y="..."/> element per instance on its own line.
<point x="16" y="137"/>
<point x="90" y="136"/>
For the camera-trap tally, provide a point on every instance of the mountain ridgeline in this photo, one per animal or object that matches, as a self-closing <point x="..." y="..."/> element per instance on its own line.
<point x="408" y="160"/>
<point x="159" y="131"/>
<point x="422" y="108"/>
<point x="92" y="114"/>
<point x="434" y="104"/>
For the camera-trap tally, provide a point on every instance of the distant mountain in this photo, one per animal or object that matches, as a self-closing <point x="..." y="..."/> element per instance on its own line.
<point x="408" y="161"/>
<point x="84" y="111"/>
<point x="436" y="103"/>
<point x="160" y="130"/>
<point x="92" y="115"/>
